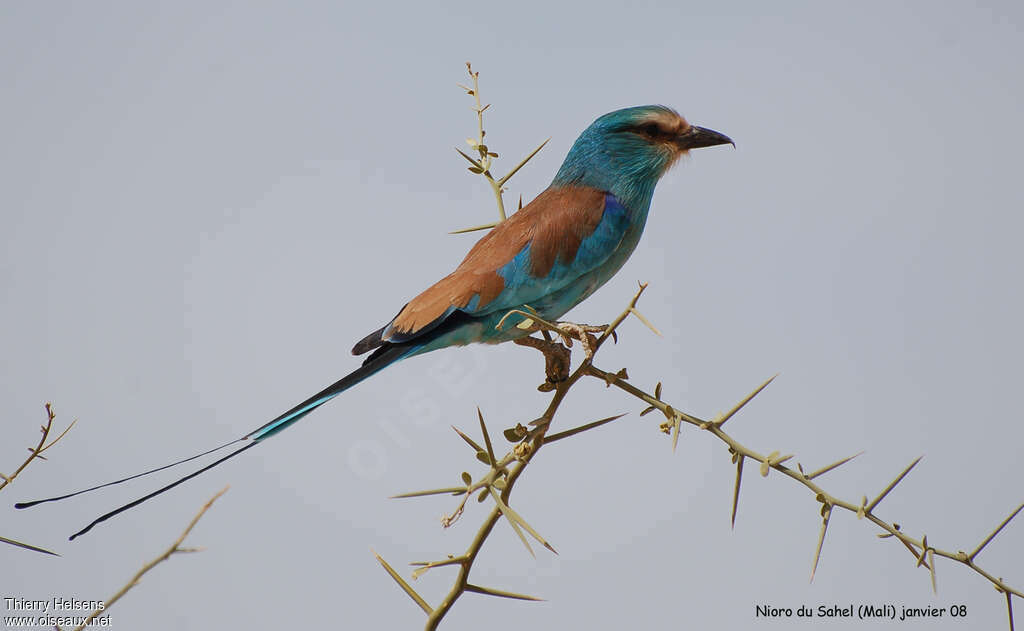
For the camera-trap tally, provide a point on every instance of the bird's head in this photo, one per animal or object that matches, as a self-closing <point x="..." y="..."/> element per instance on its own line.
<point x="631" y="148"/>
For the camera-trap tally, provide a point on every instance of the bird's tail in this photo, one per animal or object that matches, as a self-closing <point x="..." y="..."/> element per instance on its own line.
<point x="376" y="362"/>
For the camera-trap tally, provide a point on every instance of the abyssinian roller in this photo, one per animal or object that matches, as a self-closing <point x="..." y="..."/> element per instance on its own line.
<point x="550" y="255"/>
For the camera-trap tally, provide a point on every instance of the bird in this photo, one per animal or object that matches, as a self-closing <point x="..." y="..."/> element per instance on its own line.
<point x="547" y="257"/>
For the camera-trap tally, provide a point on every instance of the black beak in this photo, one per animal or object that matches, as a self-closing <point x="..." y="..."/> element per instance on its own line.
<point x="697" y="137"/>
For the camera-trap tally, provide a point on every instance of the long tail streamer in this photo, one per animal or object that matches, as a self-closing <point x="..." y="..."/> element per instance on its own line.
<point x="380" y="359"/>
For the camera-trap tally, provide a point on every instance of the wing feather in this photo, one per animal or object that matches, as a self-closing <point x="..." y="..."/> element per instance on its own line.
<point x="560" y="235"/>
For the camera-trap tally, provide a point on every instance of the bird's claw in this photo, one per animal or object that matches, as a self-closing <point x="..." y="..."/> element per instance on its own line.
<point x="582" y="332"/>
<point x="557" y="356"/>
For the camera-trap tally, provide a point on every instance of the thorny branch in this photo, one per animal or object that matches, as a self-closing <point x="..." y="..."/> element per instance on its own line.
<point x="499" y="481"/>
<point x="920" y="548"/>
<point x="481" y="165"/>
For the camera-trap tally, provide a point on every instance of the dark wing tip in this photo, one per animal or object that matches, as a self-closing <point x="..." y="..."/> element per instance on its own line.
<point x="370" y="342"/>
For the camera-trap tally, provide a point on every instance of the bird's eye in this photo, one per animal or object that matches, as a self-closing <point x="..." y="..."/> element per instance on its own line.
<point x="651" y="129"/>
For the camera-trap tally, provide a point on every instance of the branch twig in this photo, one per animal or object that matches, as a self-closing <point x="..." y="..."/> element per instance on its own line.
<point x="481" y="165"/>
<point x="34" y="453"/>
<point x="41" y="446"/>
<point x="173" y="549"/>
<point x="919" y="547"/>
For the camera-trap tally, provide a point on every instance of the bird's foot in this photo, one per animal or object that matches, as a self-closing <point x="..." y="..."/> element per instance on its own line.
<point x="557" y="360"/>
<point x="557" y="357"/>
<point x="582" y="332"/>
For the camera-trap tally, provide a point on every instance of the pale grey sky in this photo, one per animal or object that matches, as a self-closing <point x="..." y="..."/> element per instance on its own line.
<point x="205" y="204"/>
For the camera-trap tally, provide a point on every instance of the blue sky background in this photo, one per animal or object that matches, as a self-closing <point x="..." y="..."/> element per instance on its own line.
<point x="205" y="204"/>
